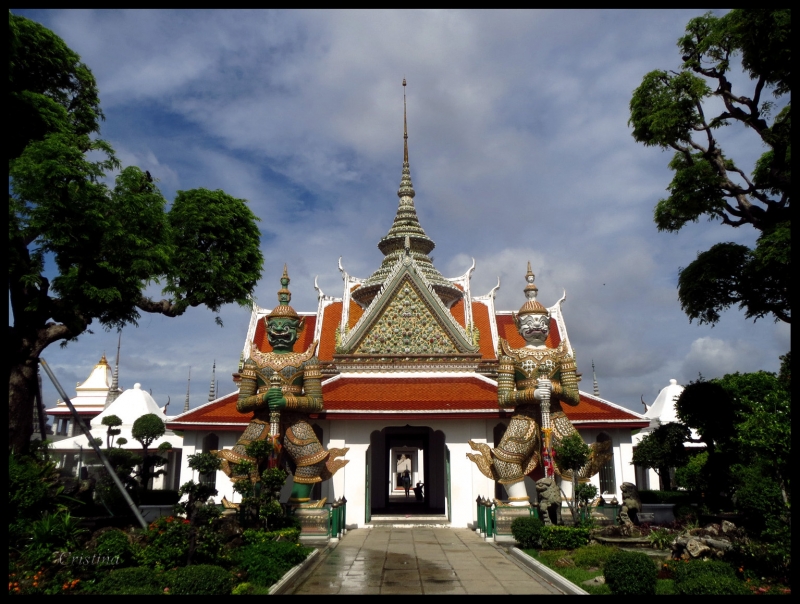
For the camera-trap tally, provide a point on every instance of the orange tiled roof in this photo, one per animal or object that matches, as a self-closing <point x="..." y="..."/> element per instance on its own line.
<point x="392" y="395"/>
<point x="332" y="316"/>
<point x="593" y="409"/>
<point x="217" y="413"/>
<point x="405" y="394"/>
<point x="480" y="316"/>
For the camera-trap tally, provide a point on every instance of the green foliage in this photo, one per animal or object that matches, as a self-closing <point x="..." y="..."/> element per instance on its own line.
<point x="216" y="257"/>
<point x="675" y="497"/>
<point x="251" y="536"/>
<point x="661" y="538"/>
<point x="631" y="574"/>
<point x="572" y="454"/>
<point x="593" y="556"/>
<point x="249" y="589"/>
<point x="265" y="563"/>
<point x="200" y="580"/>
<point x="112" y="421"/>
<point x="662" y="449"/>
<point x="564" y="537"/>
<point x="680" y="110"/>
<point x="527" y="531"/>
<point x="705" y="578"/>
<point x="692" y="476"/>
<point x="52" y="533"/>
<point x="148" y="428"/>
<point x="107" y="245"/>
<point x="114" y="544"/>
<point x="32" y="492"/>
<point x="136" y="581"/>
<point x="260" y="506"/>
<point x="167" y="541"/>
<point x="711" y="585"/>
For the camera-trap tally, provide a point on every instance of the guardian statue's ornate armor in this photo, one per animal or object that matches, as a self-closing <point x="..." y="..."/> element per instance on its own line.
<point x="534" y="381"/>
<point x="282" y="388"/>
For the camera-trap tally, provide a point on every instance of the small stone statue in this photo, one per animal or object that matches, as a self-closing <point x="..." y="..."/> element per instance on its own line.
<point x="631" y="505"/>
<point x="549" y="501"/>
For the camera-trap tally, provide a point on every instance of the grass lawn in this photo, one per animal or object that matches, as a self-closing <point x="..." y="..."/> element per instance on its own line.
<point x="586" y="563"/>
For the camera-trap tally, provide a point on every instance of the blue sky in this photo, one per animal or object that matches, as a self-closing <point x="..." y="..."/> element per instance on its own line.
<point x="519" y="149"/>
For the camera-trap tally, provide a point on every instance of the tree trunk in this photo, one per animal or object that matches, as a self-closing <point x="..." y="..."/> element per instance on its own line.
<point x="22" y="388"/>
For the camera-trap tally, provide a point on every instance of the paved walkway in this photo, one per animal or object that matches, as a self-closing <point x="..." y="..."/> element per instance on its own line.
<point x="417" y="561"/>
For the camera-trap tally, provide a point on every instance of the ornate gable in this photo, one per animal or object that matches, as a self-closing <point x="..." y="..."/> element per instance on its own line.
<point x="407" y="325"/>
<point x="407" y="318"/>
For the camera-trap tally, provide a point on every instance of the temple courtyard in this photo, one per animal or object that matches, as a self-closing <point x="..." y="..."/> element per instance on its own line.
<point x="418" y="560"/>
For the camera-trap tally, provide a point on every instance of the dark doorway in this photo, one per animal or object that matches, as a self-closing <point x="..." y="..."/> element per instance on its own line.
<point x="384" y="497"/>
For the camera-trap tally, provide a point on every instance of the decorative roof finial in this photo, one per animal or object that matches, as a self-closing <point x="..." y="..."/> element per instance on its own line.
<point x="212" y="394"/>
<point x="188" y="385"/>
<point x="115" y="390"/>
<point x="406" y="188"/>
<point x="405" y="126"/>
<point x="594" y="381"/>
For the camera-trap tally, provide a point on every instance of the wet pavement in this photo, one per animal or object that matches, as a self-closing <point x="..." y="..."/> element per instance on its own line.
<point x="417" y="561"/>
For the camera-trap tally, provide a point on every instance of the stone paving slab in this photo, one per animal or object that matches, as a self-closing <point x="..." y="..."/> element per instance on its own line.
<point x="417" y="561"/>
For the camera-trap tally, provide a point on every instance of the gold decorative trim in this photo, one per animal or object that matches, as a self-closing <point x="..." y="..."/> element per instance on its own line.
<point x="276" y="362"/>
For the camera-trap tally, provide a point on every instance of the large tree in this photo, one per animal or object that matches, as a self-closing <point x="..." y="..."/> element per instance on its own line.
<point x="82" y="251"/>
<point x="683" y="111"/>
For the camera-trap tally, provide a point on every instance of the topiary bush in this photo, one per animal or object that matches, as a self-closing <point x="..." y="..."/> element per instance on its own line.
<point x="593" y="555"/>
<point x="527" y="531"/>
<point x="200" y="580"/>
<point x="631" y="574"/>
<point x="564" y="537"/>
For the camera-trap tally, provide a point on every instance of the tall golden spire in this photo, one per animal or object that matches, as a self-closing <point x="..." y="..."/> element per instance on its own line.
<point x="405" y="126"/>
<point x="406" y="232"/>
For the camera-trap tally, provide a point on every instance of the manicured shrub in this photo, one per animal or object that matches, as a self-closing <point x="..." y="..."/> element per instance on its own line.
<point x="706" y="578"/>
<point x="711" y="585"/>
<point x="684" y="570"/>
<point x="592" y="555"/>
<point x="527" y="531"/>
<point x="200" y="580"/>
<point x="564" y="537"/>
<point x="249" y="589"/>
<point x="631" y="574"/>
<point x="139" y="581"/>
<point x="251" y="536"/>
<point x="114" y="546"/>
<point x="265" y="563"/>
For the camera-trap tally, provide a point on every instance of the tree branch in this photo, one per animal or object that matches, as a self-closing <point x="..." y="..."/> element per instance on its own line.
<point x="162" y="307"/>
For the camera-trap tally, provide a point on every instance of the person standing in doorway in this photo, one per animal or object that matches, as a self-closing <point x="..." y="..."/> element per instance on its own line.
<point x="406" y="481"/>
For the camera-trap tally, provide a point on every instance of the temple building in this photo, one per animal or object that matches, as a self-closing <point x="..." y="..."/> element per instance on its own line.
<point x="409" y="366"/>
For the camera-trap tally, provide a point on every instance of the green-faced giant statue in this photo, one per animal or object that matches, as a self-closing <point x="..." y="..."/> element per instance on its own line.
<point x="282" y="388"/>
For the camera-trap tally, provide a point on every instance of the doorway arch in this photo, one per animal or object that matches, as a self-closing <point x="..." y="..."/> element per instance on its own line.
<point x="430" y="465"/>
